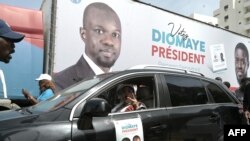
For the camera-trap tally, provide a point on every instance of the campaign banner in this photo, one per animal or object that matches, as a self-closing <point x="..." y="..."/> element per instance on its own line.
<point x="152" y="36"/>
<point x="129" y="130"/>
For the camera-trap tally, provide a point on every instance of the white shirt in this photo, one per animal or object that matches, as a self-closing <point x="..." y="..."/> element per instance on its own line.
<point x="3" y="83"/>
<point x="97" y="70"/>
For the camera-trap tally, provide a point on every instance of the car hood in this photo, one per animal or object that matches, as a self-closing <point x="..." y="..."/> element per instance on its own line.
<point x="11" y="114"/>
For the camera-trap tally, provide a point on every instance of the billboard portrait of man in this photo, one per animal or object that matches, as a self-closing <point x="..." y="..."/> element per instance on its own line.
<point x="241" y="56"/>
<point x="101" y="34"/>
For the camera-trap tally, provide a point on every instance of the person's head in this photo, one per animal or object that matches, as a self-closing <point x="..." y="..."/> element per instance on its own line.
<point x="126" y="139"/>
<point x="227" y="84"/>
<point x="45" y="82"/>
<point x="218" y="78"/>
<point x="101" y="33"/>
<point x="241" y="61"/>
<point x="136" y="138"/>
<point x="127" y="91"/>
<point x="7" y="40"/>
<point x="221" y="57"/>
<point x="243" y="82"/>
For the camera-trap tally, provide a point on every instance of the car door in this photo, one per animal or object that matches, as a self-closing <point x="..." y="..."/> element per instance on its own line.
<point x="147" y="124"/>
<point x="228" y="106"/>
<point x="191" y="116"/>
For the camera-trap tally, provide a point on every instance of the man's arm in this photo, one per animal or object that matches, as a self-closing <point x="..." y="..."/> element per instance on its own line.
<point x="28" y="96"/>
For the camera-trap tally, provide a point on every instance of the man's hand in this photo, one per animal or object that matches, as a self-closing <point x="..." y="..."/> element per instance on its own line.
<point x="26" y="93"/>
<point x="134" y="101"/>
<point x="129" y="108"/>
<point x="247" y="114"/>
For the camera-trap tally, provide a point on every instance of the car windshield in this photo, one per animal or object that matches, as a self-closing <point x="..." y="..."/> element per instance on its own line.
<point x="67" y="95"/>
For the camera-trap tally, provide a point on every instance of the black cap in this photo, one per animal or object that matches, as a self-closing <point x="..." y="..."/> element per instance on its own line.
<point x="6" y="32"/>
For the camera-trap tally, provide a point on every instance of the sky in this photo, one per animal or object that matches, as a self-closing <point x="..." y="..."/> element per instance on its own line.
<point x="187" y="7"/>
<point x="184" y="7"/>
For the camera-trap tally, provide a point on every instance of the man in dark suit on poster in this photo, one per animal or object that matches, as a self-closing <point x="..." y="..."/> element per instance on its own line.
<point x="101" y="33"/>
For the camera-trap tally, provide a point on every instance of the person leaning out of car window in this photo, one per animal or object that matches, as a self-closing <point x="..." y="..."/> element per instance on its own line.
<point x="128" y="100"/>
<point x="47" y="89"/>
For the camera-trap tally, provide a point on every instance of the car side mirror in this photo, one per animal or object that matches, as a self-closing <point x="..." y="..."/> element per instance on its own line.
<point x="96" y="107"/>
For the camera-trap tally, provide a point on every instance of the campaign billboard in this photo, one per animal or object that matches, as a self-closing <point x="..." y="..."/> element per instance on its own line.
<point x="154" y="36"/>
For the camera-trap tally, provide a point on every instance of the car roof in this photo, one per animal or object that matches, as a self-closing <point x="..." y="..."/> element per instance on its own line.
<point x="154" y="69"/>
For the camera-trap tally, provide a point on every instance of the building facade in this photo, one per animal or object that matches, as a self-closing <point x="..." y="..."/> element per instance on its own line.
<point x="234" y="15"/>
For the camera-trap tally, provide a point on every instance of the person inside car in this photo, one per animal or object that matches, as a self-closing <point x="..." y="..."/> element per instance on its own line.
<point x="128" y="100"/>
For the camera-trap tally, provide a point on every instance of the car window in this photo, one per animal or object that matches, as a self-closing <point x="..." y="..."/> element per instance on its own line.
<point x="219" y="95"/>
<point x="67" y="95"/>
<point x="143" y="91"/>
<point x="185" y="90"/>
